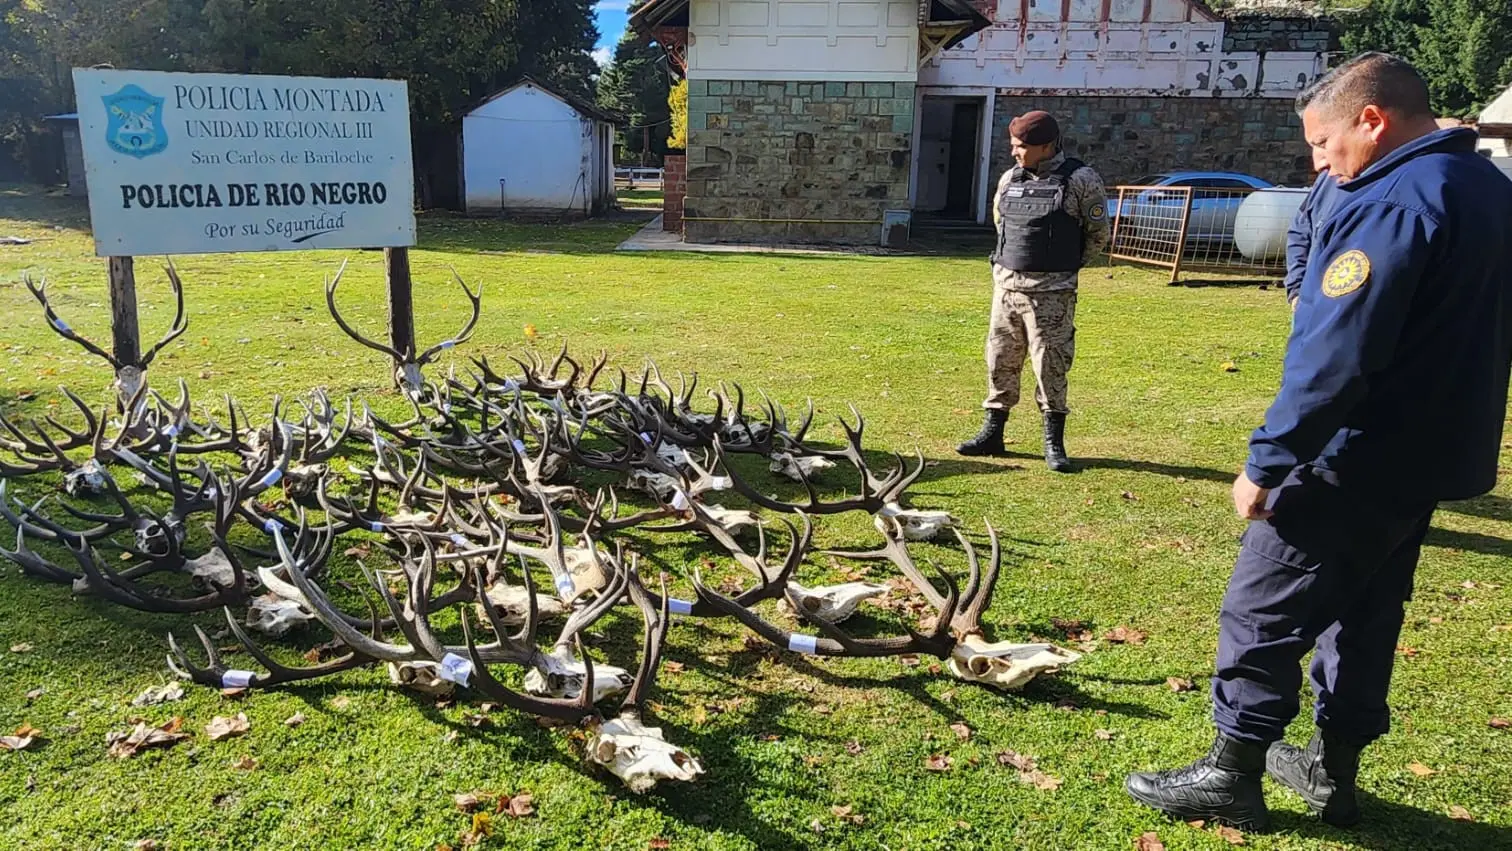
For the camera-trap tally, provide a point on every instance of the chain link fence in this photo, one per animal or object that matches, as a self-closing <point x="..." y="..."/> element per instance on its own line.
<point x="1203" y="229"/>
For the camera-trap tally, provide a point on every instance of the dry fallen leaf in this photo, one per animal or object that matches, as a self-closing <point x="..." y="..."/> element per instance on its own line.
<point x="853" y="748"/>
<point x="340" y="701"/>
<point x="1019" y="761"/>
<point x="673" y="667"/>
<point x="1105" y="735"/>
<point x="24" y="737"/>
<point x="21" y="648"/>
<point x="1124" y="635"/>
<point x="1459" y="813"/>
<point x="938" y="762"/>
<point x="1230" y="835"/>
<point x="1196" y="824"/>
<point x="1230" y="366"/>
<point x="519" y="806"/>
<point x="466" y="802"/>
<point x="1041" y="780"/>
<point x="294" y="720"/>
<point x="1420" y="769"/>
<point x="1148" y="841"/>
<point x="1178" y="684"/>
<point x="145" y="845"/>
<point x="659" y="843"/>
<point x="246" y="763"/>
<point x="159" y="694"/>
<point x="33" y="694"/>
<point x="123" y="745"/>
<point x="1500" y="723"/>
<point x="962" y="731"/>
<point x="221" y="727"/>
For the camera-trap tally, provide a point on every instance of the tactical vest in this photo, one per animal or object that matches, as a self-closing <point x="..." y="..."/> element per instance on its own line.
<point x="1035" y="233"/>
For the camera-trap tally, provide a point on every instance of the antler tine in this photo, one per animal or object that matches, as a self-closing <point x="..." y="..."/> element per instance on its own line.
<point x="179" y="323"/>
<point x="34" y="565"/>
<point x="58" y="325"/>
<point x="467" y="328"/>
<point x="215" y="676"/>
<point x="76" y="438"/>
<point x="598" y="364"/>
<point x="574" y="711"/>
<point x="895" y="550"/>
<point x="657" y="620"/>
<point x="978" y="596"/>
<point x="607" y="598"/>
<point x="330" y="291"/>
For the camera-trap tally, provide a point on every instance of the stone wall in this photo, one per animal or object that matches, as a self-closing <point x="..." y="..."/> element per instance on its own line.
<point x="674" y="187"/>
<point x="799" y="162"/>
<point x="1125" y="138"/>
<point x="1262" y="33"/>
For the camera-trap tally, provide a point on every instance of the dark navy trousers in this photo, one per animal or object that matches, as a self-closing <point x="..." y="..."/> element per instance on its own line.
<point x="1331" y="570"/>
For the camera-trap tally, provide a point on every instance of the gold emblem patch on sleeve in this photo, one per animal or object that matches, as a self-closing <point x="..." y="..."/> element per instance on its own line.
<point x="1347" y="273"/>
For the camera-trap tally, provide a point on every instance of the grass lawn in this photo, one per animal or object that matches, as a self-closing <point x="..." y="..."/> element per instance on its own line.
<point x="1142" y="537"/>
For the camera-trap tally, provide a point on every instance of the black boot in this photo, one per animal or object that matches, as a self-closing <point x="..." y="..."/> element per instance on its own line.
<point x="1055" y="442"/>
<point x="988" y="441"/>
<point x="1223" y="786"/>
<point x="1323" y="773"/>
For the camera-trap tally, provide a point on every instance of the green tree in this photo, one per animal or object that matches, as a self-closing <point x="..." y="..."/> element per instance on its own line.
<point x="635" y="84"/>
<point x="678" y="100"/>
<point x="1462" y="47"/>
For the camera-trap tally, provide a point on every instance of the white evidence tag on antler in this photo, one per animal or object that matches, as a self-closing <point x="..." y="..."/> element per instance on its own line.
<point x="272" y="526"/>
<point x="564" y="584"/>
<point x="803" y="644"/>
<point x="455" y="669"/>
<point x="236" y="679"/>
<point x="62" y="326"/>
<point x="679" y="607"/>
<point x="679" y="500"/>
<point x="271" y="479"/>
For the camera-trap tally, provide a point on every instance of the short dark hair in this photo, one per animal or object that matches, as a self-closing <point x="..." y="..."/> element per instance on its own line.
<point x="1387" y="81"/>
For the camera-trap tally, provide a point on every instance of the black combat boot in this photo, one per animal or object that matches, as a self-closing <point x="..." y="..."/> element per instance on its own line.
<point x="988" y="441"/>
<point x="1223" y="786"/>
<point x="1055" y="442"/>
<point x="1323" y="773"/>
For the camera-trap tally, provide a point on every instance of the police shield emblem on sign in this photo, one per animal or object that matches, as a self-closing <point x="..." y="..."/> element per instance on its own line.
<point x="135" y="122"/>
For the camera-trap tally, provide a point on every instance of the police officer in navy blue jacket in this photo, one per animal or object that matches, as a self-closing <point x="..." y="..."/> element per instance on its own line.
<point x="1314" y="210"/>
<point x="1393" y="397"/>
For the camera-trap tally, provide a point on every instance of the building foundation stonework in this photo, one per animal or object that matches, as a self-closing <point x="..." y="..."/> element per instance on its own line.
<point x="802" y="162"/>
<point x="1126" y="138"/>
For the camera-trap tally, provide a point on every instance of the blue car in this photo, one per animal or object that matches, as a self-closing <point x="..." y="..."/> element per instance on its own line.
<point x="1156" y="212"/>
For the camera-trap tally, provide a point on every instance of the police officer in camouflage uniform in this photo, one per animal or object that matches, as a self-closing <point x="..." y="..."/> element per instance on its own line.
<point x="1051" y="215"/>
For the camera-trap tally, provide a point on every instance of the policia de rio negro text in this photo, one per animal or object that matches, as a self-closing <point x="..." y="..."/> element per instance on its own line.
<point x="1393" y="398"/>
<point x="1051" y="217"/>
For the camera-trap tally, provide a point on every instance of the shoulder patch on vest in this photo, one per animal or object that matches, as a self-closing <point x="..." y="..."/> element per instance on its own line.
<point x="1347" y="273"/>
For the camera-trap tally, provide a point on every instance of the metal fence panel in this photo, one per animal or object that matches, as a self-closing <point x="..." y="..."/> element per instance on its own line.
<point x="1203" y="229"/>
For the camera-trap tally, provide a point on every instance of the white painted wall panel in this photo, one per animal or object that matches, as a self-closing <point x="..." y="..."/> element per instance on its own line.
<point x="853" y="40"/>
<point x="533" y="142"/>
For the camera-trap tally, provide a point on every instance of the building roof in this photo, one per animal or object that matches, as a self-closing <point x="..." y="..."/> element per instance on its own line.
<point x="1496" y="119"/>
<point x="582" y="106"/>
<point x="674" y="13"/>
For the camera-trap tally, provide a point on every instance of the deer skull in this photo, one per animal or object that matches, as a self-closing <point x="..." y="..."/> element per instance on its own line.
<point x="211" y="570"/>
<point x="303" y="480"/>
<point x="562" y="677"/>
<point x="423" y="677"/>
<point x="1004" y="664"/>
<point x="512" y="605"/>
<point x="87" y="480"/>
<point x="831" y="603"/>
<point x="659" y="485"/>
<point x="639" y="755"/>
<point x="732" y="520"/>
<point x="798" y="467"/>
<point x="917" y="525"/>
<point x="273" y="615"/>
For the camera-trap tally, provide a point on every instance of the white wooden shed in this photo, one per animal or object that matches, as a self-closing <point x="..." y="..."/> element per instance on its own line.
<point x="1495" y="127"/>
<point x="530" y="148"/>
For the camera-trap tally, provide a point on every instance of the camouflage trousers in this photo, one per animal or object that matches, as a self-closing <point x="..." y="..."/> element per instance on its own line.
<point x="1038" y="324"/>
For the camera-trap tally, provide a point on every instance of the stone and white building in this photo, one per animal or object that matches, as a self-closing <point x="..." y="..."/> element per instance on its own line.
<point x="834" y="120"/>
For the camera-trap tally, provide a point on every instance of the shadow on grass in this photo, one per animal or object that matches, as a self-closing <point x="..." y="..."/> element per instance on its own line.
<point x="1389" y="826"/>
<point x="1469" y="542"/>
<point x="1081" y="463"/>
<point x="1488" y="507"/>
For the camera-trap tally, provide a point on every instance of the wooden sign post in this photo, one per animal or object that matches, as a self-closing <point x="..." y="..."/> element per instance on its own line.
<point x="401" y="303"/>
<point x="125" y="334"/>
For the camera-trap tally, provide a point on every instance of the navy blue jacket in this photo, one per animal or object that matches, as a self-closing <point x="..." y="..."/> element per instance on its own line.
<point x="1397" y="365"/>
<point x="1314" y="210"/>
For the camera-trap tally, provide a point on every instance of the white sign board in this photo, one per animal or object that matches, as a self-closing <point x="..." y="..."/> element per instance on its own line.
<point x="203" y="163"/>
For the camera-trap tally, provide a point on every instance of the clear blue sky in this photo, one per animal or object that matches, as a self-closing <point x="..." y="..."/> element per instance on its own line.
<point x="610" y="16"/>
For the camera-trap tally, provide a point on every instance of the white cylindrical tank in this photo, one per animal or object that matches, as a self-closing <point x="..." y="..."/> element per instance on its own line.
<point x="1261" y="223"/>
